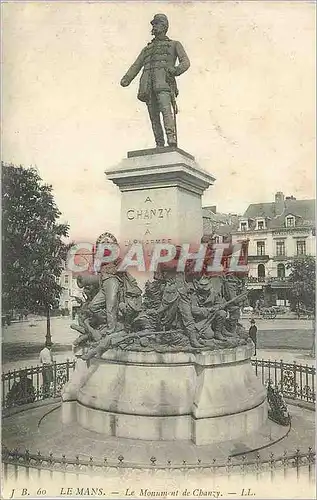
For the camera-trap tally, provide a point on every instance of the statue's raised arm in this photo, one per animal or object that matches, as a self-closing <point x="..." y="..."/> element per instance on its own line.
<point x="162" y="61"/>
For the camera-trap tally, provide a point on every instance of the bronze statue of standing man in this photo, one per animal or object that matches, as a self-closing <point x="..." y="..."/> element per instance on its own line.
<point x="158" y="87"/>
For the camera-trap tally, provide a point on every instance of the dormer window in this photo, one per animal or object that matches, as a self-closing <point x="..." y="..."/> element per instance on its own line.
<point x="260" y="224"/>
<point x="243" y="225"/>
<point x="290" y="221"/>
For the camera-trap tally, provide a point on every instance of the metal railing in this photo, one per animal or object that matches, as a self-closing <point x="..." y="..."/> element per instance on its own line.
<point x="295" y="381"/>
<point x="231" y="465"/>
<point x="36" y="383"/>
<point x="266" y="279"/>
<point x="20" y="387"/>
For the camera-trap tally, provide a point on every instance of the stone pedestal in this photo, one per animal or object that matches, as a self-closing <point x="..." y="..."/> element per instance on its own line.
<point x="209" y="397"/>
<point x="161" y="196"/>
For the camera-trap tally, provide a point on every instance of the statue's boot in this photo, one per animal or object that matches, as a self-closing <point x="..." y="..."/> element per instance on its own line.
<point x="90" y="354"/>
<point x="78" y="328"/>
<point x="228" y="334"/>
<point x="219" y="335"/>
<point x="211" y="343"/>
<point x="193" y="340"/>
<point x="80" y="340"/>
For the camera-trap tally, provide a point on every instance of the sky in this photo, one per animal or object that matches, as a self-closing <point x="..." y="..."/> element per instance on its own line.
<point x="246" y="105"/>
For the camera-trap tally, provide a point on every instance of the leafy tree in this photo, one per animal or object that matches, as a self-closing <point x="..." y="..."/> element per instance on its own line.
<point x="33" y="249"/>
<point x="302" y="280"/>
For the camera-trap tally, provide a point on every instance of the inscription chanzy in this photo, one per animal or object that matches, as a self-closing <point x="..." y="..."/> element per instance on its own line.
<point x="148" y="214"/>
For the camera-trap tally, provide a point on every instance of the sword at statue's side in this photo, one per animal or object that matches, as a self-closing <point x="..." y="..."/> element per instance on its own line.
<point x="175" y="111"/>
<point x="172" y="83"/>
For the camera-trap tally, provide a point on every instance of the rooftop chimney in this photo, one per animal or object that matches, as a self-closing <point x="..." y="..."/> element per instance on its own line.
<point x="279" y="203"/>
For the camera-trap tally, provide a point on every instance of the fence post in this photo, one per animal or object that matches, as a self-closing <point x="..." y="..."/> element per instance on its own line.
<point x="297" y="462"/>
<point x="67" y="369"/>
<point x="256" y="366"/>
<point x="294" y="382"/>
<point x="307" y="383"/>
<point x="275" y="373"/>
<point x="272" y="465"/>
<point x="282" y="376"/>
<point x="55" y="376"/>
<point x="300" y="369"/>
<point x="257" y="461"/>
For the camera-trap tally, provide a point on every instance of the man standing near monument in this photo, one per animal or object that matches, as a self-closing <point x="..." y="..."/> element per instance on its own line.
<point x="158" y="87"/>
<point x="253" y="333"/>
<point x="46" y="359"/>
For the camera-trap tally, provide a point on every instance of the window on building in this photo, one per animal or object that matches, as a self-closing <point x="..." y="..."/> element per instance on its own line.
<point x="243" y="226"/>
<point x="301" y="247"/>
<point x="260" y="248"/>
<point x="66" y="304"/>
<point x="216" y="239"/>
<point x="280" y="248"/>
<point x="281" y="271"/>
<point x="290" y="221"/>
<point x="261" y="271"/>
<point x="66" y="279"/>
<point x="260" y="224"/>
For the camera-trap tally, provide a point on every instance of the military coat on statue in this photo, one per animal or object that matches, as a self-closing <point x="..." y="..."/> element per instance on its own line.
<point x="155" y="58"/>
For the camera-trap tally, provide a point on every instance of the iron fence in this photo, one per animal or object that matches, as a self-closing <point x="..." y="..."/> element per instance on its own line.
<point x="295" y="381"/>
<point x="36" y="383"/>
<point x="231" y="464"/>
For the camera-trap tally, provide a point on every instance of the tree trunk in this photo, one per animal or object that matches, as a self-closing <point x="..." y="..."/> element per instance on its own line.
<point x="48" y="337"/>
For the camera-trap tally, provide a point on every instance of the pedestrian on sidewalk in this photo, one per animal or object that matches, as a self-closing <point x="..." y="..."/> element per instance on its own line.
<point x="253" y="333"/>
<point x="46" y="359"/>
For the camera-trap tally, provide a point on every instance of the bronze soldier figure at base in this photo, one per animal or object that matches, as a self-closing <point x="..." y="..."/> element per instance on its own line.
<point x="158" y="84"/>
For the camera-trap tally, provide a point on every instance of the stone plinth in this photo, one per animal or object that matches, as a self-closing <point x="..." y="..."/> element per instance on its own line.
<point x="161" y="196"/>
<point x="207" y="398"/>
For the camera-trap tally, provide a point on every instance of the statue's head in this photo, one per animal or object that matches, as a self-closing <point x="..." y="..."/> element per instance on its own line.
<point x="203" y="285"/>
<point x="159" y="24"/>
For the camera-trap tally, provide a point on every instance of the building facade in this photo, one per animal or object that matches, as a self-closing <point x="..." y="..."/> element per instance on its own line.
<point x="70" y="290"/>
<point x="276" y="232"/>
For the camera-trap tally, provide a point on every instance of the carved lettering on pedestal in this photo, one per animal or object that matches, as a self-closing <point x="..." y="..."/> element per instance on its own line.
<point x="147" y="242"/>
<point x="148" y="199"/>
<point x="146" y="214"/>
